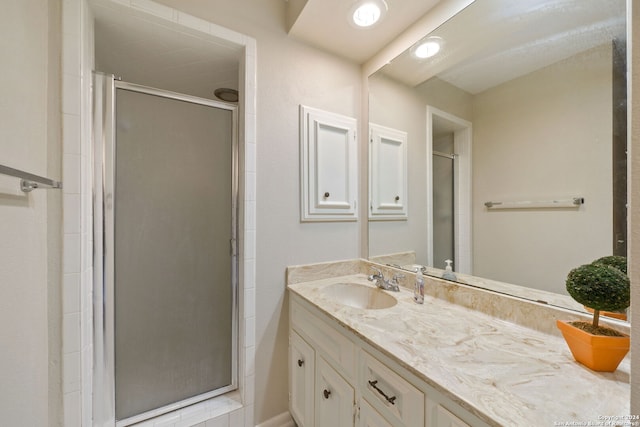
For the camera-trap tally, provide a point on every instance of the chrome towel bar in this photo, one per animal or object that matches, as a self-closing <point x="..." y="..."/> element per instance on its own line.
<point x="573" y="202"/>
<point x="29" y="181"/>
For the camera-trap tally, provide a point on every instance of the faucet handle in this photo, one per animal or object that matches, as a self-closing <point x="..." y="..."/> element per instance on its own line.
<point x="396" y="277"/>
<point x="377" y="274"/>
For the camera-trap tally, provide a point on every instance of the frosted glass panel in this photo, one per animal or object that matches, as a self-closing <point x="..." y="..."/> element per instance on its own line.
<point x="442" y="210"/>
<point x="173" y="268"/>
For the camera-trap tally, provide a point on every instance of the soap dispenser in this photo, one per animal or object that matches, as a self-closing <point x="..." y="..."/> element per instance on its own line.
<point x="448" y="271"/>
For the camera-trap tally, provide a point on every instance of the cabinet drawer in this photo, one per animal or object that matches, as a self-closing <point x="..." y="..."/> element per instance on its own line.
<point x="393" y="396"/>
<point x="337" y="348"/>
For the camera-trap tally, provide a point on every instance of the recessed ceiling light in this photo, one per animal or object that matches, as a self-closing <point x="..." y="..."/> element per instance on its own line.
<point x="428" y="48"/>
<point x="368" y="12"/>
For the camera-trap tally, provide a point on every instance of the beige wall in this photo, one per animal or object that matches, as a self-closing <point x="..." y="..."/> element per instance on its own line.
<point x="401" y="107"/>
<point x="30" y="304"/>
<point x="542" y="136"/>
<point x="546" y="135"/>
<point x="397" y="106"/>
<point x="288" y="74"/>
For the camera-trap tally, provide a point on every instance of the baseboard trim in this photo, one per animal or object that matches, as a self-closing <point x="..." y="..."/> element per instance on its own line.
<point x="281" y="420"/>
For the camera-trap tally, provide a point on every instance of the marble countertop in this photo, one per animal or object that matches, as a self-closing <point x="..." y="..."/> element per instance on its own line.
<point x="505" y="373"/>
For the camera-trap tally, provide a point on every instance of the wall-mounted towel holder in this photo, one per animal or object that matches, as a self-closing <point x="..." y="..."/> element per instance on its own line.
<point x="29" y="181"/>
<point x="573" y="202"/>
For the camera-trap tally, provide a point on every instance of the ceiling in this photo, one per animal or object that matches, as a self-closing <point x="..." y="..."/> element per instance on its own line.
<point x="140" y="49"/>
<point x="326" y="24"/>
<point x="525" y="34"/>
<point x="494" y="41"/>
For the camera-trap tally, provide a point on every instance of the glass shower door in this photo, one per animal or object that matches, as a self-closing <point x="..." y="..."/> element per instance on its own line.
<point x="443" y="208"/>
<point x="171" y="297"/>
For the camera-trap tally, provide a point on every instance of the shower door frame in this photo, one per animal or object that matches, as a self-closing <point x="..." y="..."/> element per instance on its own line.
<point x="104" y="146"/>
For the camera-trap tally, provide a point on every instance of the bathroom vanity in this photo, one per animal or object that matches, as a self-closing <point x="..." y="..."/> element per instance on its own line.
<point x="367" y="357"/>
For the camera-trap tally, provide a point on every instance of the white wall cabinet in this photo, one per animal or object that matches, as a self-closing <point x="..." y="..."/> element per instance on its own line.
<point x="328" y="166"/>
<point x="388" y="192"/>
<point x="353" y="384"/>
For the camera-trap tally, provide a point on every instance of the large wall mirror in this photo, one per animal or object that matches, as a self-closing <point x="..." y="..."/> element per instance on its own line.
<point x="515" y="116"/>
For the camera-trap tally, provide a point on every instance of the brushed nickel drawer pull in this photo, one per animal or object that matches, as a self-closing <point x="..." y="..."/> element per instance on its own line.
<point x="391" y="399"/>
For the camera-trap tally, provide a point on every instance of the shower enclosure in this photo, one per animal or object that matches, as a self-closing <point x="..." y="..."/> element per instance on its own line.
<point x="165" y="265"/>
<point x="443" y="207"/>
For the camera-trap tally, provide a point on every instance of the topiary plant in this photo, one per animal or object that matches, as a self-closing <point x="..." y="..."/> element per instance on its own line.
<point x="600" y="287"/>
<point x="616" y="261"/>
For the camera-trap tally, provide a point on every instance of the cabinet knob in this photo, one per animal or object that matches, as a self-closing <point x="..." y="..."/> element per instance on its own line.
<point x="326" y="194"/>
<point x="300" y="362"/>
<point x="326" y="393"/>
<point x="397" y="198"/>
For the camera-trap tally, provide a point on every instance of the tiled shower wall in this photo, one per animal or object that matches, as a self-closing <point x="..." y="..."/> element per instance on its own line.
<point x="236" y="409"/>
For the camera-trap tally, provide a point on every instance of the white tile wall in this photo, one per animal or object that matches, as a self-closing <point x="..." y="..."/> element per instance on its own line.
<point x="226" y="411"/>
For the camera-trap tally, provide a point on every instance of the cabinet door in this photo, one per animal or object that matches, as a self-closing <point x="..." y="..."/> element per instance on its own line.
<point x="447" y="419"/>
<point x="335" y="400"/>
<point x="369" y="417"/>
<point x="328" y="164"/>
<point x="301" y="378"/>
<point x="387" y="174"/>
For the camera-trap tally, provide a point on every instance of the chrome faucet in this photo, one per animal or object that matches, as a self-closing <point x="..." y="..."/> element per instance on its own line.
<point x="382" y="283"/>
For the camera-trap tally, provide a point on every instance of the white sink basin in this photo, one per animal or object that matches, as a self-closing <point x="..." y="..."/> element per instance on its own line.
<point x="360" y="296"/>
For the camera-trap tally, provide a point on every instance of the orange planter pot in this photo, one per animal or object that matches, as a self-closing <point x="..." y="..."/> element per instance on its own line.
<point x="596" y="352"/>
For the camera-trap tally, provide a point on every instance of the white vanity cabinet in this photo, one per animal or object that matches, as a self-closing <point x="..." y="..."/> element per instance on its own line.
<point x="301" y="379"/>
<point x="369" y="417"/>
<point x="443" y="418"/>
<point x="334" y="396"/>
<point x="321" y="372"/>
<point x="394" y="397"/>
<point x="338" y="380"/>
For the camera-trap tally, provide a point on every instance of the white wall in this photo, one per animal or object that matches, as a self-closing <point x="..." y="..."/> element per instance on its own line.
<point x="543" y="136"/>
<point x="401" y="107"/>
<point x="288" y="74"/>
<point x="397" y="106"/>
<point x="30" y="303"/>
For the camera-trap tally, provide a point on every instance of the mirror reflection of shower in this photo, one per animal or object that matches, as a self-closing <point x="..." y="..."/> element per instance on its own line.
<point x="443" y="198"/>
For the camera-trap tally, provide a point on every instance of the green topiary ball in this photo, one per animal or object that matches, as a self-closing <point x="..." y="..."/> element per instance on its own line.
<point x="599" y="286"/>
<point x="616" y="261"/>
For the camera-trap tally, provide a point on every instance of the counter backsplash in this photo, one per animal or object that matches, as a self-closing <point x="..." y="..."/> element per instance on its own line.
<point x="531" y="314"/>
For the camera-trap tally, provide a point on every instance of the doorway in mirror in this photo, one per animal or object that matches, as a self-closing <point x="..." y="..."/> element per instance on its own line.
<point x="448" y="190"/>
